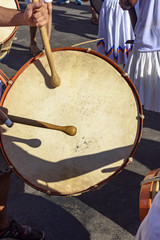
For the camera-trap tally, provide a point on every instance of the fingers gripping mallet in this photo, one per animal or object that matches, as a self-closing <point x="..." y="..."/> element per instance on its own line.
<point x="55" y="80"/>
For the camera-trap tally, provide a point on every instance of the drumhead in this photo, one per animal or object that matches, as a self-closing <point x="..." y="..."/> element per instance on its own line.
<point x="95" y="97"/>
<point x="7" y="32"/>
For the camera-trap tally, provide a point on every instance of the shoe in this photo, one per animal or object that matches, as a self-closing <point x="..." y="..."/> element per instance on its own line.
<point x="16" y="231"/>
<point x="78" y="2"/>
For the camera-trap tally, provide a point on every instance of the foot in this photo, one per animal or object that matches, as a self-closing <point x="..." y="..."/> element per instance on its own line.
<point x="94" y="20"/>
<point x="16" y="231"/>
<point x="34" y="50"/>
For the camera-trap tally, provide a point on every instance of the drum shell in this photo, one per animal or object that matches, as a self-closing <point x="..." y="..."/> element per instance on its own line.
<point x="146" y="194"/>
<point x="76" y="55"/>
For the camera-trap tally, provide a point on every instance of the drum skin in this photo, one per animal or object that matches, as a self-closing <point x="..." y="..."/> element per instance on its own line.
<point x="147" y="193"/>
<point x="7" y="33"/>
<point x="96" y="97"/>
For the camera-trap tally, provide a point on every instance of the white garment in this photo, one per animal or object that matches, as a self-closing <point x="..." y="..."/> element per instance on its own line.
<point x="150" y="227"/>
<point x="29" y="1"/>
<point x="147" y="29"/>
<point x="115" y="27"/>
<point x="143" y="69"/>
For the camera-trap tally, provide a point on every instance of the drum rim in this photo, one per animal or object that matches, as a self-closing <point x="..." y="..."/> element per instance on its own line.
<point x="3" y="77"/>
<point x="139" y="127"/>
<point x="14" y="30"/>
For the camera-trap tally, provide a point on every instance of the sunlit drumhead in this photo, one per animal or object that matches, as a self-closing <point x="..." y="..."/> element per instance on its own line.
<point x="94" y="97"/>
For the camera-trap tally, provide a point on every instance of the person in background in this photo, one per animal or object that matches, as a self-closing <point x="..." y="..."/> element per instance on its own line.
<point x="35" y="14"/>
<point x="143" y="65"/>
<point x="94" y="18"/>
<point x="143" y="69"/>
<point x="115" y="28"/>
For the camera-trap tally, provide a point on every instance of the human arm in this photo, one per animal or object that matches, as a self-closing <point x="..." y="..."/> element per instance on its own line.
<point x="127" y="4"/>
<point x="35" y="14"/>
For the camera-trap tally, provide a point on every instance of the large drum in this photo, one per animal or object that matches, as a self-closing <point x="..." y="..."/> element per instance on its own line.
<point x="96" y="97"/>
<point x="149" y="189"/>
<point x="7" y="33"/>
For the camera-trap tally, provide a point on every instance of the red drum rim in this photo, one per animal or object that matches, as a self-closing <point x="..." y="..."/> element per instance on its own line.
<point x="145" y="198"/>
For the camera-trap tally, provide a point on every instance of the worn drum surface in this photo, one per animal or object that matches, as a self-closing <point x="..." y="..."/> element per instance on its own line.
<point x="95" y="97"/>
<point x="149" y="189"/>
<point x="7" y="33"/>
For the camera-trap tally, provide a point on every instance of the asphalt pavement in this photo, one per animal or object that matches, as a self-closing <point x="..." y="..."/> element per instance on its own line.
<point x="110" y="213"/>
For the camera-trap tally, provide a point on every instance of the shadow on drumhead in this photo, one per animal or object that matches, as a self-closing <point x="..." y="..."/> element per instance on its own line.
<point x="70" y="167"/>
<point x="34" y="143"/>
<point x="47" y="175"/>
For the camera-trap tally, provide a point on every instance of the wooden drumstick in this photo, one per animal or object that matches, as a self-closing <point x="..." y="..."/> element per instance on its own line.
<point x="70" y="130"/>
<point x="55" y="80"/>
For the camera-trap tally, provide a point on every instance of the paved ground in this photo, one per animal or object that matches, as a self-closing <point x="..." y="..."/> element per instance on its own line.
<point x="111" y="213"/>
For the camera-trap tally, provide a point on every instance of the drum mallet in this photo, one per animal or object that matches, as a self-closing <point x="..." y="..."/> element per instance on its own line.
<point x="70" y="130"/>
<point x="55" y="80"/>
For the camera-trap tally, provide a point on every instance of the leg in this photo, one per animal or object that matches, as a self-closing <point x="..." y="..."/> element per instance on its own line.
<point x="94" y="18"/>
<point x="33" y="41"/>
<point x="12" y="230"/>
<point x="4" y="188"/>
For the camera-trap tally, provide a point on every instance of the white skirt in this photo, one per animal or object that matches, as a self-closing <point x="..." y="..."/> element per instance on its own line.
<point x="115" y="27"/>
<point x="143" y="69"/>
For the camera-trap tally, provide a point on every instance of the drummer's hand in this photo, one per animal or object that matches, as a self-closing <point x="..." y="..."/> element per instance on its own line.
<point x="36" y="14"/>
<point x="3" y="116"/>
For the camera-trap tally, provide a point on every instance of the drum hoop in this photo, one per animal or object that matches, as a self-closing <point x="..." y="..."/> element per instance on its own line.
<point x="139" y="106"/>
<point x="15" y="29"/>
<point x="3" y="77"/>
